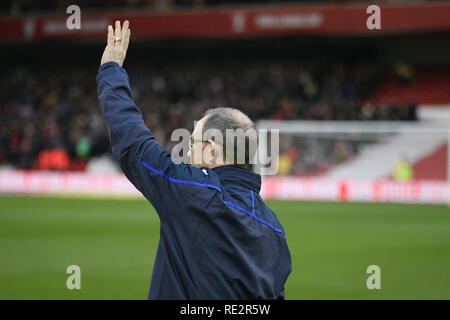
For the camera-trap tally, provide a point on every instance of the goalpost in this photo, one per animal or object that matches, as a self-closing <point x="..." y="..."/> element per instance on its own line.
<point x="385" y="161"/>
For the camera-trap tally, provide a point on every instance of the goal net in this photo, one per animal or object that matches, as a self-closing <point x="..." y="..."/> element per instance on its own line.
<point x="377" y="161"/>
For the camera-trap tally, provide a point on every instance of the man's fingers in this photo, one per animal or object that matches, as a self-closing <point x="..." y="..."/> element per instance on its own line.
<point x="117" y="33"/>
<point x="110" y="38"/>
<point x="124" y="32"/>
<point x="127" y="40"/>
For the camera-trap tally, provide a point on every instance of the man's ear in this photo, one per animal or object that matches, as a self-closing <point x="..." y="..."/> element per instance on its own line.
<point x="210" y="152"/>
<point x="212" y="145"/>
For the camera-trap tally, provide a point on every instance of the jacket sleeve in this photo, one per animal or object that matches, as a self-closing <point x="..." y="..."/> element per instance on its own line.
<point x="148" y="166"/>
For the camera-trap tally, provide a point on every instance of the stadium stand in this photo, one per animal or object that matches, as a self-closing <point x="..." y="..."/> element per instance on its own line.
<point x="423" y="85"/>
<point x="173" y="93"/>
<point x="50" y="119"/>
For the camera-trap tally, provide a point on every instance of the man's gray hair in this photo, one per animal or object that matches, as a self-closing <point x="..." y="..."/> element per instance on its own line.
<point x="238" y="135"/>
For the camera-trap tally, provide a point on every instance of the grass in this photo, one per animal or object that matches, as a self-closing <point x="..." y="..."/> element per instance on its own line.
<point x="114" y="242"/>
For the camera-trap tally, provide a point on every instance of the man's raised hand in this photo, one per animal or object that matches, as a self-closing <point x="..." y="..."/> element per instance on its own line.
<point x="117" y="43"/>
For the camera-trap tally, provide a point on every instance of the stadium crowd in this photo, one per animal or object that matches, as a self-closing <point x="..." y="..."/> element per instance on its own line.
<point x="50" y="118"/>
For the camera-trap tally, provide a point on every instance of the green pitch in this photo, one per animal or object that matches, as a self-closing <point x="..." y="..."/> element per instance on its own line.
<point x="114" y="243"/>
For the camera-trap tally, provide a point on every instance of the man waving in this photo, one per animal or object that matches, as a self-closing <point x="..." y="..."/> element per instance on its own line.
<point x="218" y="240"/>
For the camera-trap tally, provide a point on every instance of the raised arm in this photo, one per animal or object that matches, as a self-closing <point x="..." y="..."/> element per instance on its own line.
<point x="148" y="166"/>
<point x="114" y="95"/>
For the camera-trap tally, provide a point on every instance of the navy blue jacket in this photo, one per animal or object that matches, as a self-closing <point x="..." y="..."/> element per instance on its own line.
<point x="218" y="240"/>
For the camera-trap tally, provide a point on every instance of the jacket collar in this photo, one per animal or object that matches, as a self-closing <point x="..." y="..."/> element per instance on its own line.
<point x="230" y="174"/>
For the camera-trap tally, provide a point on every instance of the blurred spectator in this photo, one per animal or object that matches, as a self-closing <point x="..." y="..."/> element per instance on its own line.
<point x="403" y="170"/>
<point x="404" y="72"/>
<point x="54" y="159"/>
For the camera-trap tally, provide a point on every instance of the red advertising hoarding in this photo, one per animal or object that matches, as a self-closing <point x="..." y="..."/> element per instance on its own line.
<point x="235" y="22"/>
